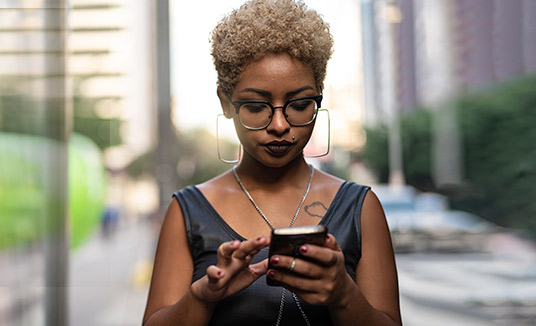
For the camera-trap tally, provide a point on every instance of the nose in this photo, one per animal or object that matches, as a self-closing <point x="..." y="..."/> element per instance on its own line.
<point x="279" y="123"/>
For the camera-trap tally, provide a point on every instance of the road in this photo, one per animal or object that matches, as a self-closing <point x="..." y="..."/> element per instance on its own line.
<point x="496" y="287"/>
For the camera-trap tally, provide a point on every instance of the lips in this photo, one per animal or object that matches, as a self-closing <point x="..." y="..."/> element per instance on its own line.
<point x="279" y="148"/>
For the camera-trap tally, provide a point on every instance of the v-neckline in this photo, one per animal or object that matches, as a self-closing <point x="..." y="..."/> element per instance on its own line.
<point x="324" y="221"/>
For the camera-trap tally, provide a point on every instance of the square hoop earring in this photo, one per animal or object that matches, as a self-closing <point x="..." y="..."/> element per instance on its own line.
<point x="218" y="143"/>
<point x="328" y="130"/>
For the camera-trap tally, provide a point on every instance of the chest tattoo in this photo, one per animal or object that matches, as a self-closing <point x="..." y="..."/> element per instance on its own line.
<point x="316" y="209"/>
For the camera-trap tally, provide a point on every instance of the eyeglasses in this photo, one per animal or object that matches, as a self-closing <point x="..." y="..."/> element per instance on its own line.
<point x="257" y="115"/>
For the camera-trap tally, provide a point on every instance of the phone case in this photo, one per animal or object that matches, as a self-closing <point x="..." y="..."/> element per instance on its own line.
<point x="287" y="241"/>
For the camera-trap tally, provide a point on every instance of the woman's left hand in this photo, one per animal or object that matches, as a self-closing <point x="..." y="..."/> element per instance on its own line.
<point x="322" y="282"/>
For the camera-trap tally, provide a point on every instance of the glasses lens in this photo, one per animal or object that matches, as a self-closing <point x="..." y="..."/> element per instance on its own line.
<point x="301" y="112"/>
<point x="255" y="115"/>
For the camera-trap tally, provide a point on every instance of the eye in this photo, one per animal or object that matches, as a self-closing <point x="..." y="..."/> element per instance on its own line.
<point x="301" y="105"/>
<point x="254" y="107"/>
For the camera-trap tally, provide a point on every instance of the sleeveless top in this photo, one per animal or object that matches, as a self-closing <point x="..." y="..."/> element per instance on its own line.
<point x="259" y="304"/>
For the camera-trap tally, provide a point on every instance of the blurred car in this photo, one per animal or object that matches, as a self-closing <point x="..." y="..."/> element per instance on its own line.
<point x="423" y="222"/>
<point x="396" y="198"/>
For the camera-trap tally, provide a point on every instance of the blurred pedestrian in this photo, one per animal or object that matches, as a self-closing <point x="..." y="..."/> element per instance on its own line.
<point x="211" y="262"/>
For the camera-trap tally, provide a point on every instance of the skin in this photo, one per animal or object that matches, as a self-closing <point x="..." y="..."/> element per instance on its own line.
<point x="274" y="180"/>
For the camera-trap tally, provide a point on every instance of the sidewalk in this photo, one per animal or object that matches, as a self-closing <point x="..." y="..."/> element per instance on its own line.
<point x="109" y="278"/>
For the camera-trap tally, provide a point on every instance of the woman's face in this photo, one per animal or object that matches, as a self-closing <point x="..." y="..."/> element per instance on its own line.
<point x="275" y="78"/>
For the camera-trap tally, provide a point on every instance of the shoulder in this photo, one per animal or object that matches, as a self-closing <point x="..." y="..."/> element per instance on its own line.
<point x="372" y="204"/>
<point x="373" y="221"/>
<point x="327" y="182"/>
<point x="219" y="188"/>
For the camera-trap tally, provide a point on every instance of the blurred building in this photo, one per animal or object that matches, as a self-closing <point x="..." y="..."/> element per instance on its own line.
<point x="423" y="53"/>
<point x="110" y="60"/>
<point x="443" y="47"/>
<point x="343" y="93"/>
<point x="52" y="51"/>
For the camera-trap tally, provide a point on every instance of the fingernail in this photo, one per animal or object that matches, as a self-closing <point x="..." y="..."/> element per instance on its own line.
<point x="271" y="274"/>
<point x="260" y="238"/>
<point x="275" y="260"/>
<point x="303" y="249"/>
<point x="219" y="273"/>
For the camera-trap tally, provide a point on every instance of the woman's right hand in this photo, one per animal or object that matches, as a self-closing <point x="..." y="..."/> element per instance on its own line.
<point x="233" y="271"/>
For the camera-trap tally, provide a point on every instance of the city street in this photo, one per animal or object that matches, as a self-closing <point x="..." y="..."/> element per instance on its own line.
<point x="467" y="288"/>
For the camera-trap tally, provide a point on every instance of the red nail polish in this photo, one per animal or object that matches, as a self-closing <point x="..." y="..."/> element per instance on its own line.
<point x="303" y="249"/>
<point x="271" y="274"/>
<point x="219" y="273"/>
<point x="260" y="238"/>
<point x="275" y="260"/>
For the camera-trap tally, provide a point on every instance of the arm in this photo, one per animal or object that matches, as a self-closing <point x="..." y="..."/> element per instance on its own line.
<point x="373" y="298"/>
<point x="375" y="292"/>
<point x="172" y="296"/>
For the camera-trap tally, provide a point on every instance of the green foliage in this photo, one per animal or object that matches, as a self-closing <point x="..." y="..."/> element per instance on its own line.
<point x="103" y="131"/>
<point x="416" y="148"/>
<point x="376" y="152"/>
<point x="87" y="188"/>
<point x="24" y="114"/>
<point x="28" y="198"/>
<point x="28" y="125"/>
<point x="415" y="130"/>
<point x="196" y="161"/>
<point x="499" y="153"/>
<point x="499" y="141"/>
<point x="201" y="148"/>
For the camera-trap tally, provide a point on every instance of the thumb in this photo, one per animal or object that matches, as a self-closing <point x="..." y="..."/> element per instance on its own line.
<point x="259" y="268"/>
<point x="331" y="243"/>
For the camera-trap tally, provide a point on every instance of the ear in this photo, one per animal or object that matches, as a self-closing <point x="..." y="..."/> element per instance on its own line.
<point x="226" y="105"/>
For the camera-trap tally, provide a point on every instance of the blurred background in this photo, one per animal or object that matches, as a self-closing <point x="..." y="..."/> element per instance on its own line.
<point x="109" y="106"/>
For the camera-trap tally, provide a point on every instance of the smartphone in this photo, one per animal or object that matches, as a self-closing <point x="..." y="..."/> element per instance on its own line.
<point x="287" y="241"/>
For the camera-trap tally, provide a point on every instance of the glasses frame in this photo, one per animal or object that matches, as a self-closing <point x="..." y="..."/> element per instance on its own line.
<point x="316" y="98"/>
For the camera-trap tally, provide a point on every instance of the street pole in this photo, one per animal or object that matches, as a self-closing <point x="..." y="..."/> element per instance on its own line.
<point x="57" y="119"/>
<point x="393" y="17"/>
<point x="165" y="161"/>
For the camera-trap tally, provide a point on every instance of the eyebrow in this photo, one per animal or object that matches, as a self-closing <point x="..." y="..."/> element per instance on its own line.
<point x="258" y="91"/>
<point x="298" y="91"/>
<point x="269" y="94"/>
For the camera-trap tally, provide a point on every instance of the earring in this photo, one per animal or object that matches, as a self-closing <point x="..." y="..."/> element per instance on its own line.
<point x="328" y="130"/>
<point x="220" y="157"/>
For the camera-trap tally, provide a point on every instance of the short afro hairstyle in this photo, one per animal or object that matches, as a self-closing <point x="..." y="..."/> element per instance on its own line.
<point x="270" y="26"/>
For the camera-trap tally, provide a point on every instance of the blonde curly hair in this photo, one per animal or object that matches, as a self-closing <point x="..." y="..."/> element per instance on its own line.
<point x="270" y="26"/>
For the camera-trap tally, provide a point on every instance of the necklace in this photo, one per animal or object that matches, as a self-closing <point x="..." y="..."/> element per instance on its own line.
<point x="259" y="210"/>
<point x="282" y="303"/>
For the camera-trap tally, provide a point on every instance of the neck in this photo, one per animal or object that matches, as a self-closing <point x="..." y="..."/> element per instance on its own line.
<point x="256" y="173"/>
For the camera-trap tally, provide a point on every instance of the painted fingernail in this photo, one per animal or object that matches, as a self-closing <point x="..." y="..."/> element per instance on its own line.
<point x="260" y="238"/>
<point x="219" y="273"/>
<point x="275" y="260"/>
<point x="303" y="249"/>
<point x="271" y="274"/>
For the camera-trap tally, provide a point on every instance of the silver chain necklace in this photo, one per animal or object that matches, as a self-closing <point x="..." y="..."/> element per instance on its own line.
<point x="259" y="210"/>
<point x="282" y="303"/>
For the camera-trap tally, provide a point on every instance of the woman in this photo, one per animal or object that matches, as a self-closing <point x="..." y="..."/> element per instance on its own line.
<point x="211" y="262"/>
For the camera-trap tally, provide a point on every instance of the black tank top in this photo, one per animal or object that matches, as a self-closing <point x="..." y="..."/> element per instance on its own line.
<point x="259" y="304"/>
